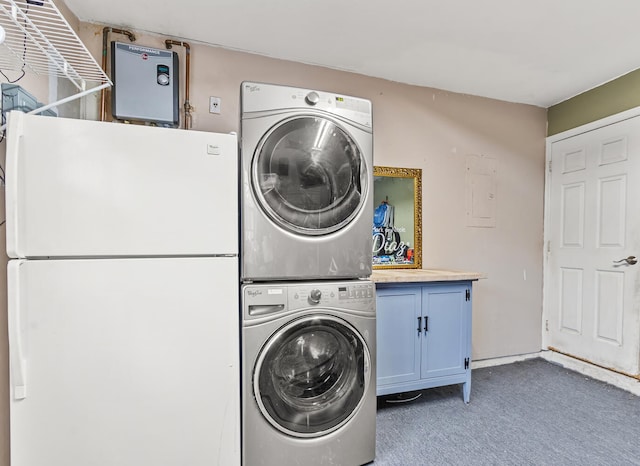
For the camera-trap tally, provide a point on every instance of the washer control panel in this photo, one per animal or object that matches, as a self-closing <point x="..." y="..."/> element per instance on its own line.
<point x="358" y="294"/>
<point x="270" y="298"/>
<point x="356" y="291"/>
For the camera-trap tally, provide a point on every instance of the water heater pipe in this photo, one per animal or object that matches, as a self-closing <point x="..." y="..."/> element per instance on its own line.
<point x="105" y="46"/>
<point x="187" y="105"/>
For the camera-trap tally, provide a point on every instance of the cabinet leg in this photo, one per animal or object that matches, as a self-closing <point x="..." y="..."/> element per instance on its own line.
<point x="466" y="391"/>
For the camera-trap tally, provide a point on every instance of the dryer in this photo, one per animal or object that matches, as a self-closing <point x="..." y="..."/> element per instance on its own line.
<point x="309" y="382"/>
<point x="307" y="184"/>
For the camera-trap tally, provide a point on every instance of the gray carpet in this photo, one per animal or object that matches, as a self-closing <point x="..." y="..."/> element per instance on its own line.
<point x="527" y="413"/>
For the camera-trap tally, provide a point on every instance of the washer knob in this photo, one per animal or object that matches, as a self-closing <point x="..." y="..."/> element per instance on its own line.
<point x="314" y="296"/>
<point x="312" y="98"/>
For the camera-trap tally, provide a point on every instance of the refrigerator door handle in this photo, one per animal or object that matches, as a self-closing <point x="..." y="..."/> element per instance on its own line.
<point x="17" y="360"/>
<point x="14" y="155"/>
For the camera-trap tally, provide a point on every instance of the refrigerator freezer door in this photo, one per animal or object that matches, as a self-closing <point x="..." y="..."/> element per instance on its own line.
<point x="79" y="188"/>
<point x="124" y="362"/>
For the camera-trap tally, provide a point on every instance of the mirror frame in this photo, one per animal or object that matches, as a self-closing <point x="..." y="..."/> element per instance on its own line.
<point x="416" y="175"/>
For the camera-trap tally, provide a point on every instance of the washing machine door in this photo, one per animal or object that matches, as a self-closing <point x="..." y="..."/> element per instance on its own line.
<point x="309" y="175"/>
<point x="311" y="376"/>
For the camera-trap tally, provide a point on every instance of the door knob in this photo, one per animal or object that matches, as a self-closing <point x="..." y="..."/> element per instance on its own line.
<point x="631" y="260"/>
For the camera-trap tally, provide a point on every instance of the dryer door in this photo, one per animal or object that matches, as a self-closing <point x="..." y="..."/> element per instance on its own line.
<point x="309" y="175"/>
<point x="311" y="376"/>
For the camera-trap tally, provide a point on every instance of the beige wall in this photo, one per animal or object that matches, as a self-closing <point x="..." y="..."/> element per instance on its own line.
<point x="433" y="130"/>
<point x="417" y="128"/>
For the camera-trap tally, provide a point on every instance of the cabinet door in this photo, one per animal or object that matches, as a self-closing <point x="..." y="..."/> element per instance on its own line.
<point x="398" y="338"/>
<point x="448" y="313"/>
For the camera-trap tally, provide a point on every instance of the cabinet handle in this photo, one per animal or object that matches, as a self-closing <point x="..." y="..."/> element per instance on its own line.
<point x="419" y="325"/>
<point x="426" y="324"/>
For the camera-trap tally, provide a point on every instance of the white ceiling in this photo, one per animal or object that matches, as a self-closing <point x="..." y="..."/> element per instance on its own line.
<point x="538" y="52"/>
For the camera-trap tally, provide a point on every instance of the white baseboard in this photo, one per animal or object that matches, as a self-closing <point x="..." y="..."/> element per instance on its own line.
<point x="503" y="360"/>
<point x="621" y="381"/>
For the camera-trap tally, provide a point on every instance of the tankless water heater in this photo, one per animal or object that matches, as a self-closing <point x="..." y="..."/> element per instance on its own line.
<point x="145" y="84"/>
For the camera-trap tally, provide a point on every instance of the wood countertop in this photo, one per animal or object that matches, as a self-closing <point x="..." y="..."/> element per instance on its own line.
<point x="423" y="275"/>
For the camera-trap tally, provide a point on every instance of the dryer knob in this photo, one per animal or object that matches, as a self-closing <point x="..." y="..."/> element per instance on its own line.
<point x="312" y="98"/>
<point x="314" y="296"/>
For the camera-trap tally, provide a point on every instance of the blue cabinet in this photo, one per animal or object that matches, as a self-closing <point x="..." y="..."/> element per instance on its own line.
<point x="423" y="336"/>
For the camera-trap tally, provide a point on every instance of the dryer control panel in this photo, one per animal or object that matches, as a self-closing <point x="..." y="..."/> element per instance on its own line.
<point x="261" y="97"/>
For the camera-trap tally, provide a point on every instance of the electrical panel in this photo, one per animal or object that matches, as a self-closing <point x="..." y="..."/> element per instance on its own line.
<point x="145" y="84"/>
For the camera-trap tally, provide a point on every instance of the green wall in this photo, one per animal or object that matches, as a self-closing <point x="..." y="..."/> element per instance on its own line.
<point x="613" y="97"/>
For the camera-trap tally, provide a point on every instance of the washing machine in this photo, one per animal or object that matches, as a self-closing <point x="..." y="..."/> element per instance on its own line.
<point x="309" y="382"/>
<point x="307" y="184"/>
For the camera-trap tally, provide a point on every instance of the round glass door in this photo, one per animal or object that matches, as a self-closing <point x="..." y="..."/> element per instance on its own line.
<point x="311" y="376"/>
<point x="309" y="176"/>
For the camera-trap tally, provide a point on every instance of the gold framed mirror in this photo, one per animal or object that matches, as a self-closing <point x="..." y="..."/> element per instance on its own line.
<point x="397" y="218"/>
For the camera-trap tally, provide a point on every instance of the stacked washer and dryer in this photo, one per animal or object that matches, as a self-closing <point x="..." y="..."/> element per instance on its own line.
<point x="308" y="306"/>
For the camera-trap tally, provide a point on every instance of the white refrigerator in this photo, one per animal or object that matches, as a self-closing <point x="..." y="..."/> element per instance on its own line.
<point x="122" y="294"/>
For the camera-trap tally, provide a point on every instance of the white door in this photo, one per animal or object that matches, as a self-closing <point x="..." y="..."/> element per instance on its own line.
<point x="125" y="362"/>
<point x="592" y="300"/>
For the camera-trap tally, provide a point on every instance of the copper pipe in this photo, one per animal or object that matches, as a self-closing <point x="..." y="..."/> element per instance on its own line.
<point x="187" y="105"/>
<point x="105" y="45"/>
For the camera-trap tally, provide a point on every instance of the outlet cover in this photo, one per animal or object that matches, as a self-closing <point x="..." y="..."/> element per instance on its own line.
<point x="214" y="104"/>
